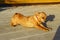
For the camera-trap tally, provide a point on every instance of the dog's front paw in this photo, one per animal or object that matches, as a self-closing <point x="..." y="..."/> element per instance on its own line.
<point x="49" y="29"/>
<point x="46" y="30"/>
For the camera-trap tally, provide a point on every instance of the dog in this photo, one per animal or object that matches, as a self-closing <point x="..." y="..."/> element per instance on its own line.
<point x="35" y="20"/>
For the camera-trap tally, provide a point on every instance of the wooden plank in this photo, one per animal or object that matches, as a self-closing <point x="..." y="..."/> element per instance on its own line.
<point x="29" y="1"/>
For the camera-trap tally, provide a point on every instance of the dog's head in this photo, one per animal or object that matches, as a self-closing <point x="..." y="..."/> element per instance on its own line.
<point x="41" y="16"/>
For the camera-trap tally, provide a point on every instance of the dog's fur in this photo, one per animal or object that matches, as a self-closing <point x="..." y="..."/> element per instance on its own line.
<point x="30" y="21"/>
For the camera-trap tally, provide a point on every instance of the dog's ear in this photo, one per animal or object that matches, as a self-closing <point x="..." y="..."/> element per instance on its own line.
<point x="42" y="13"/>
<point x="37" y="13"/>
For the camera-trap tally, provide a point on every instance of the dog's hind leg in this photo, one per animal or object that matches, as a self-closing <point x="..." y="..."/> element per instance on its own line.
<point x="13" y="24"/>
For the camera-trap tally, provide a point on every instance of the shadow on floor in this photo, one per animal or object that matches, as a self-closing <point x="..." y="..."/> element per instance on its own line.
<point x="57" y="35"/>
<point x="49" y="18"/>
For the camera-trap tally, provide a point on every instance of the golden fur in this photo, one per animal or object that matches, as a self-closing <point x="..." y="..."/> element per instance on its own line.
<point x="30" y="21"/>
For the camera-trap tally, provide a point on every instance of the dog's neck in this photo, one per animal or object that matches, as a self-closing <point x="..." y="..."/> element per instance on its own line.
<point x="37" y="19"/>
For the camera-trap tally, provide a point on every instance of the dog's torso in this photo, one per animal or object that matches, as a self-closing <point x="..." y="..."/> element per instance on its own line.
<point x="26" y="21"/>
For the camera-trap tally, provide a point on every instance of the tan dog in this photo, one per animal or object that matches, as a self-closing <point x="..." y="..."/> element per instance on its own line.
<point x="30" y="21"/>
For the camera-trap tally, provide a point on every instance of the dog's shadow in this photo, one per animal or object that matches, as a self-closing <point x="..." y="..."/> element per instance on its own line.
<point x="49" y="18"/>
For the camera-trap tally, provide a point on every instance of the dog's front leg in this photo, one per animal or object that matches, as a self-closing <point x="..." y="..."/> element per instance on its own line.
<point x="41" y="27"/>
<point x="45" y="27"/>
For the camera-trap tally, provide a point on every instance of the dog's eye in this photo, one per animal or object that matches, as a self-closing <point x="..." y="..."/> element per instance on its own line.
<point x="42" y="17"/>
